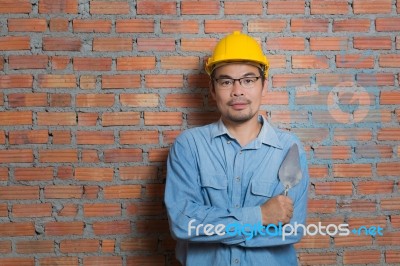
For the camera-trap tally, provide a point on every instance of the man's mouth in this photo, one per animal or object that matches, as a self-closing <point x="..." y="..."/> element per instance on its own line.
<point x="238" y="105"/>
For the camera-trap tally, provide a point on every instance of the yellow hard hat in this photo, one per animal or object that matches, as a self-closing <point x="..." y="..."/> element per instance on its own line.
<point x="237" y="47"/>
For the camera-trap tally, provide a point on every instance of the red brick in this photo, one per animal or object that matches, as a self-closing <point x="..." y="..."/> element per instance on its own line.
<point x="310" y="61"/>
<point x="287" y="117"/>
<point x="16" y="81"/>
<point x="27" y="99"/>
<point x="94" y="137"/>
<point x="328" y="43"/>
<point x="120" y="81"/>
<point x="62" y="261"/>
<point x="33" y="173"/>
<point x="145" y="260"/>
<point x="164" y="81"/>
<point x="27" y="61"/>
<point x="94" y="100"/>
<point x="122" y="192"/>
<point x="372" y="6"/>
<point x="178" y="26"/>
<point x="156" y="44"/>
<point x="358" y="222"/>
<point x="184" y="100"/>
<point x="286" y="43"/>
<point x="28" y="137"/>
<point x="313" y="98"/>
<point x="362" y="257"/>
<point x="392" y="256"/>
<point x="68" y="210"/>
<point x="16" y="156"/>
<point x="389" y="60"/>
<point x="136" y="63"/>
<point x="60" y="62"/>
<point x="35" y="246"/>
<point x="92" y="25"/>
<point x="87" y="119"/>
<point x="321" y="206"/>
<point x="90" y="156"/>
<point x="329" y="7"/>
<point x="102" y="260"/>
<point x="56" y="119"/>
<point x="108" y="245"/>
<point x="389" y="134"/>
<point x="359" y="134"/>
<point x="351" y="25"/>
<point x="332" y="152"/>
<point x="15" y="6"/>
<point x="318" y="171"/>
<point x="27" y="24"/>
<point x="195" y="118"/>
<point x="112" y="228"/>
<point x="353" y="241"/>
<point x="139" y="137"/>
<point x="3" y="174"/>
<point x="325" y="79"/>
<point x="94" y="174"/>
<point x="375" y="79"/>
<point x="15" y="43"/>
<point x="145" y="208"/>
<point x="120" y="119"/>
<point x="60" y="100"/>
<point x="122" y="155"/>
<point x="387" y="24"/>
<point x="152" y="226"/>
<point x="106" y="44"/>
<point x="61" y="44"/>
<point x="189" y="7"/>
<point x="102" y="209"/>
<point x="138" y="172"/>
<point x="15" y="229"/>
<point x="139" y="244"/>
<point x="309" y="25"/>
<point x="372" y="151"/>
<point x="290" y="80"/>
<point x="57" y="81"/>
<point x="155" y="190"/>
<point x="104" y="7"/>
<point x="334" y="188"/>
<point x="158" y="155"/>
<point x="58" y="6"/>
<point x="17" y="261"/>
<point x="140" y="100"/>
<point x="87" y="82"/>
<point x="197" y="81"/>
<point x="32" y="210"/>
<point x="134" y="26"/>
<point x="148" y="7"/>
<point x="286" y="7"/>
<point x="198" y="45"/>
<point x="390" y="204"/>
<point x="180" y="62"/>
<point x="388" y="168"/>
<point x="243" y="8"/>
<point x="317" y="241"/>
<point x="63" y="192"/>
<point x="354" y="61"/>
<point x="163" y="118"/>
<point x="313" y="258"/>
<point x="59" y="24"/>
<point x="64" y="228"/>
<point x="169" y="136"/>
<point x="58" y="156"/>
<point x="65" y="172"/>
<point x="3" y="213"/>
<point x="358" y="206"/>
<point x="5" y="247"/>
<point x="266" y="25"/>
<point x="79" y="245"/>
<point x="19" y="192"/>
<point x="375" y="187"/>
<point x="373" y="43"/>
<point x="92" y="63"/>
<point x="222" y="26"/>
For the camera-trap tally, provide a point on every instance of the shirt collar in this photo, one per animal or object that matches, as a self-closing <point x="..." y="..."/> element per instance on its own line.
<point x="266" y="136"/>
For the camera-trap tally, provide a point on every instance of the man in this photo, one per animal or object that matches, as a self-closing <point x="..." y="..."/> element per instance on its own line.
<point x="222" y="188"/>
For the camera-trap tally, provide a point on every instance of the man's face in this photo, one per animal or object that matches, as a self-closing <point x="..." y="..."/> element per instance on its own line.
<point x="236" y="103"/>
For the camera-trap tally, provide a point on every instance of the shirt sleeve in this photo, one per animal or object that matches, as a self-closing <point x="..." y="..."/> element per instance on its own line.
<point x="294" y="231"/>
<point x="187" y="213"/>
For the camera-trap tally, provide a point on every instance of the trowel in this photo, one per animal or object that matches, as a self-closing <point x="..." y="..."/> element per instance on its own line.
<point x="290" y="171"/>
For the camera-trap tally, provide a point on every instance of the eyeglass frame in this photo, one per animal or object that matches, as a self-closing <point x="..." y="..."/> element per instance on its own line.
<point x="240" y="80"/>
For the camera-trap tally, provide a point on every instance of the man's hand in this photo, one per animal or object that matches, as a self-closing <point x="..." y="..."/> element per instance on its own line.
<point x="277" y="209"/>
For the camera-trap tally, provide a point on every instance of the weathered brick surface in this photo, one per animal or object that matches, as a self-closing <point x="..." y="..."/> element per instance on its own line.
<point x="93" y="93"/>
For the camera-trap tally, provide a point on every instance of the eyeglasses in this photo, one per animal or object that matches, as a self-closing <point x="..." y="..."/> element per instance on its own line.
<point x="246" y="82"/>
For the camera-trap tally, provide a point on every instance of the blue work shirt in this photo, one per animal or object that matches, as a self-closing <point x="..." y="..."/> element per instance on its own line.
<point x="212" y="180"/>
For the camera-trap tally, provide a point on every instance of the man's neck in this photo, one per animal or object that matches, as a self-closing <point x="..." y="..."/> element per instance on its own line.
<point x="244" y="132"/>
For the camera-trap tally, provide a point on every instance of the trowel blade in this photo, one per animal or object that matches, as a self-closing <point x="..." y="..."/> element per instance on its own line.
<point x="290" y="170"/>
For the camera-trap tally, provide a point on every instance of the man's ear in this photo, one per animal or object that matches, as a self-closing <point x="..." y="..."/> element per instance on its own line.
<point x="211" y="88"/>
<point x="265" y="87"/>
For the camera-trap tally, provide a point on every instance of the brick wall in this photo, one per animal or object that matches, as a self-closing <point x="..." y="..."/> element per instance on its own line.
<point x="92" y="94"/>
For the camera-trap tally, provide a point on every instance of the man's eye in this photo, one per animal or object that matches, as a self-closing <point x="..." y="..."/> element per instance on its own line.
<point x="225" y="82"/>
<point x="248" y="80"/>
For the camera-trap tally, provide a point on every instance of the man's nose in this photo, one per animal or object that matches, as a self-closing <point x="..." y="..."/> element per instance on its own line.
<point x="237" y="88"/>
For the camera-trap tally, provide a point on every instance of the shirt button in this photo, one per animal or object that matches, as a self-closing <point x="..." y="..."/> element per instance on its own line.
<point x="237" y="206"/>
<point x="238" y="178"/>
<point x="240" y="152"/>
<point x="237" y="261"/>
<point x="229" y="142"/>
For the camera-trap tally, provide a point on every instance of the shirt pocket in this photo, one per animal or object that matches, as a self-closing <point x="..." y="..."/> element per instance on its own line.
<point x="261" y="191"/>
<point x="215" y="189"/>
